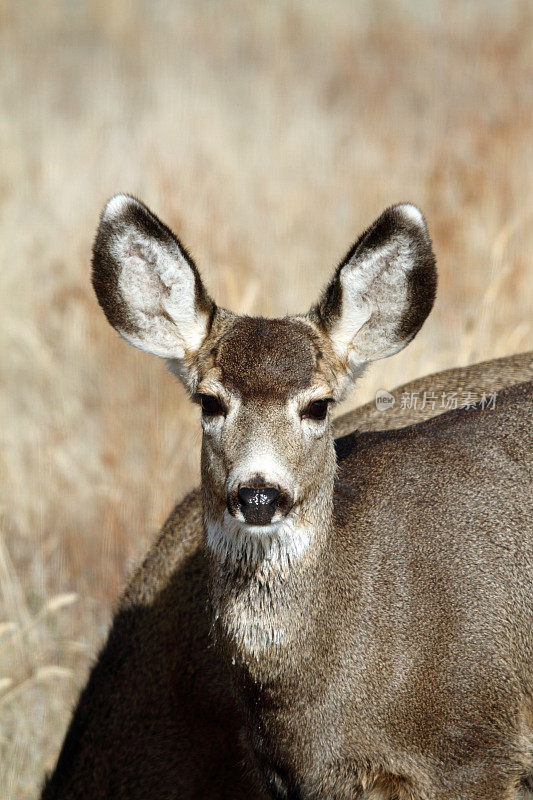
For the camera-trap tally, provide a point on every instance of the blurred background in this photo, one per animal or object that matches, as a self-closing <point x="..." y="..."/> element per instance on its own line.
<point x="267" y="135"/>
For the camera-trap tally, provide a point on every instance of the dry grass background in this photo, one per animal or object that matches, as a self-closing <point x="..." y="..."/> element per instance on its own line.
<point x="267" y="135"/>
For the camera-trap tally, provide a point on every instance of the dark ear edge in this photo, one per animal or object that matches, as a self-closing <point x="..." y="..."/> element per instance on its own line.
<point x="422" y="283"/>
<point x="402" y="218"/>
<point x="123" y="211"/>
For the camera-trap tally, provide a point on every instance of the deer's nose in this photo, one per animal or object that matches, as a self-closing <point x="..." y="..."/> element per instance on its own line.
<point x="258" y="503"/>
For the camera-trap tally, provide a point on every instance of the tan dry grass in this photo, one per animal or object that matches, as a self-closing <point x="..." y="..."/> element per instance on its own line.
<point x="267" y="135"/>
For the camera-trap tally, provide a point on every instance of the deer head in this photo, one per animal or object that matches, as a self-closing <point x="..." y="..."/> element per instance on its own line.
<point x="266" y="387"/>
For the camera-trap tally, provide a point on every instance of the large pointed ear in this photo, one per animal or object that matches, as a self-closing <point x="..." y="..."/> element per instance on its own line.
<point x="381" y="293"/>
<point x="147" y="284"/>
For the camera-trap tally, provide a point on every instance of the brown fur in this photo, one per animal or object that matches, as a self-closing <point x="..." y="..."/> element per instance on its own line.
<point x="180" y="737"/>
<point x="240" y="356"/>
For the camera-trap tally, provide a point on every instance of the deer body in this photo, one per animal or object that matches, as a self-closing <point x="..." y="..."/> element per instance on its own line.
<point x="369" y="602"/>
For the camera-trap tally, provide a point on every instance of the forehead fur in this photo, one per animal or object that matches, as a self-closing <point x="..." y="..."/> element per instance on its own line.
<point x="267" y="358"/>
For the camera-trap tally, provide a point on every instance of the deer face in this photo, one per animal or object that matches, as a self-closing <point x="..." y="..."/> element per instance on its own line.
<point x="265" y="391"/>
<point x="266" y="388"/>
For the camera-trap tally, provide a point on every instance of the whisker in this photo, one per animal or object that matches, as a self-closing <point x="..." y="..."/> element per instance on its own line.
<point x="301" y="516"/>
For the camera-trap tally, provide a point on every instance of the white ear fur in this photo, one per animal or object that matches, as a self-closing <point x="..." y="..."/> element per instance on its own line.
<point x="147" y="285"/>
<point x="382" y="292"/>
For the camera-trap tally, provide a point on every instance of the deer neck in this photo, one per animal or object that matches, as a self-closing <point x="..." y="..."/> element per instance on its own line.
<point x="264" y="587"/>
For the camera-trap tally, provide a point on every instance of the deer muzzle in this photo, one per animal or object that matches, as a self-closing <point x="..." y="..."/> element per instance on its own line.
<point x="258" y="502"/>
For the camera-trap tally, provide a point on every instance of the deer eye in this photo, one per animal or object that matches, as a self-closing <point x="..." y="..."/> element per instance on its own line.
<point x="211" y="405"/>
<point x="316" y="410"/>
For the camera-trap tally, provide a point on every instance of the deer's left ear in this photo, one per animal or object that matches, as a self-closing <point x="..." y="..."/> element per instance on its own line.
<point x="382" y="292"/>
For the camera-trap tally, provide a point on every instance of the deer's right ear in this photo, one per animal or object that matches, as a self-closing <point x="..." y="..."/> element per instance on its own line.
<point x="147" y="284"/>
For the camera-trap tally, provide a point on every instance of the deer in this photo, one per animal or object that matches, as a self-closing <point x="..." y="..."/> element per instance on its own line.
<point x="327" y="619"/>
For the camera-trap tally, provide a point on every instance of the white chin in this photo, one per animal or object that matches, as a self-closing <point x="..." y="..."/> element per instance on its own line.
<point x="249" y="529"/>
<point x="279" y="543"/>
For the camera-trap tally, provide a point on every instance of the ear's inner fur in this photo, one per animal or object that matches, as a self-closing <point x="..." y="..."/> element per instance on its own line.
<point x="381" y="292"/>
<point x="147" y="284"/>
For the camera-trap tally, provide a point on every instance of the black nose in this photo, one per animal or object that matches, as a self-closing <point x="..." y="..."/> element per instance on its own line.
<point x="258" y="504"/>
